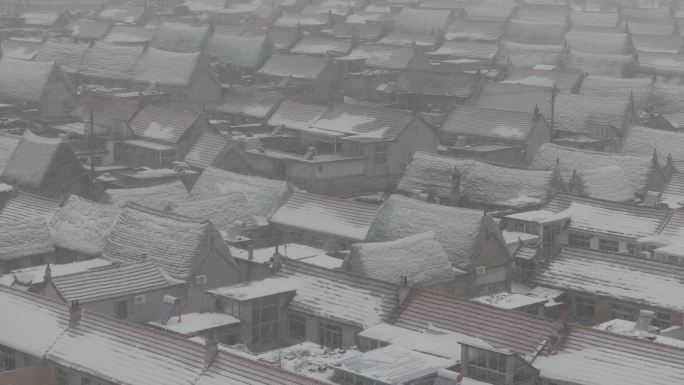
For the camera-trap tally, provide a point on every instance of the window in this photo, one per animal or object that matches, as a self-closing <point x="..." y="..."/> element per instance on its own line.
<point x="632" y="249"/>
<point x="265" y="320"/>
<point x="218" y="305"/>
<point x="487" y="366"/>
<point x="63" y="377"/>
<point x="329" y="335"/>
<point x="8" y="360"/>
<point x="609" y="245"/>
<point x="622" y="311"/>
<point x="526" y="227"/>
<point x="97" y="161"/>
<point x="200" y="280"/>
<point x="380" y="155"/>
<point x="121" y="309"/>
<point x="585" y="308"/>
<point x="662" y="320"/>
<point x="579" y="240"/>
<point x="231" y="307"/>
<point x="297" y="326"/>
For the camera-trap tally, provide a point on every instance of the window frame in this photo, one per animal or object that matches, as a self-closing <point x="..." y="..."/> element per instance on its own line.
<point x="329" y="335"/>
<point x="296" y="326"/>
<point x="609" y="245"/>
<point x="581" y="240"/>
<point x="265" y="320"/>
<point x="585" y="303"/>
<point x="623" y="311"/>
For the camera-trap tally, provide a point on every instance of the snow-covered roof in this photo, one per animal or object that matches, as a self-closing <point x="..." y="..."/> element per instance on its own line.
<point x="424" y="20"/>
<point x="579" y="113"/>
<point x="440" y="343"/>
<point x="655" y="43"/>
<point x="429" y="172"/>
<point x="239" y="51"/>
<point x="457" y="229"/>
<point x="594" y="19"/>
<point x="22" y="49"/>
<point x="108" y="61"/>
<point x="25" y="206"/>
<point x="326" y="215"/>
<point x="160" y="123"/>
<point x="617" y="276"/>
<point x="81" y="225"/>
<point x="295" y="66"/>
<point x="660" y="63"/>
<point x="600" y="43"/>
<point x="535" y="32"/>
<point x="608" y="218"/>
<point x="35" y="275"/>
<point x="263" y="195"/>
<point x="673" y="194"/>
<point x="420" y="258"/>
<point x="657" y="29"/>
<point x="180" y="37"/>
<point x="321" y="46"/>
<point x="25" y="238"/>
<point x="111" y="282"/>
<point x="601" y="64"/>
<point x="90" y="29"/>
<point x="506" y="126"/>
<point x="556" y="13"/>
<point x="228" y="212"/>
<point x="365" y="123"/>
<point x="452" y="85"/>
<point x="121" y="352"/>
<point x="475" y="30"/>
<point x="506" y="300"/>
<point x="190" y="324"/>
<point x="206" y="149"/>
<point x="292" y="20"/>
<point x="608" y="183"/>
<point x="40" y="18"/>
<point x="489" y="10"/>
<point x="166" y="68"/>
<point x="249" y="102"/>
<point x="68" y="55"/>
<point x="251" y="290"/>
<point x="667" y="97"/>
<point x="158" y="196"/>
<point x="129" y="34"/>
<point x="33" y="158"/>
<point x="175" y="244"/>
<point x="645" y="140"/>
<point x="611" y="88"/>
<point x="394" y="364"/>
<point x="565" y="81"/>
<point x="638" y="168"/>
<point x="295" y="115"/>
<point x="629" y="328"/>
<point x="530" y="55"/>
<point x="8" y="143"/>
<point x="594" y="357"/>
<point x="379" y="56"/>
<point x="25" y="81"/>
<point x="122" y="13"/>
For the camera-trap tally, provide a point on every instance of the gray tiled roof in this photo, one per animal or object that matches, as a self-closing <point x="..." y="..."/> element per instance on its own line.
<point x="507" y="126"/>
<point x="25" y="238"/>
<point x="425" y="83"/>
<point x="365" y="122"/>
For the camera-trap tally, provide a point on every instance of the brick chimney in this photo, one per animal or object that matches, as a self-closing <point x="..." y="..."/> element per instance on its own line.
<point x="74" y="313"/>
<point x="211" y="347"/>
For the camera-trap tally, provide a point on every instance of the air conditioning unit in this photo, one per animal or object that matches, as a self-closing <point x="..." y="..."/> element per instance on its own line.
<point x="200" y="280"/>
<point x="646" y="255"/>
<point x="139" y="299"/>
<point x="480" y="270"/>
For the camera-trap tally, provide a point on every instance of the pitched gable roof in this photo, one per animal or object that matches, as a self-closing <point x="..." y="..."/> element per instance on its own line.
<point x="179" y="37"/>
<point x="249" y="101"/>
<point x="426" y="20"/>
<point x="25" y="81"/>
<point x="457" y="229"/>
<point x="295" y="115"/>
<point x="166" y="68"/>
<point x="163" y="124"/>
<point x="607" y="183"/>
<point x="206" y="150"/>
<point x="644" y="141"/>
<point x="425" y="83"/>
<point x="430" y="173"/>
<point x="108" y="61"/>
<point x="507" y="126"/>
<point x="380" y="56"/>
<point x="8" y="143"/>
<point x="156" y="197"/>
<point x="419" y="257"/>
<point x="578" y="113"/>
<point x="25" y="238"/>
<point x="90" y="29"/>
<point x="176" y="244"/>
<point x="361" y="122"/>
<point x="81" y="225"/>
<point x="24" y="206"/>
<point x="493" y="325"/>
<point x="295" y="66"/>
<point x="68" y="55"/>
<point x="565" y="81"/>
<point x="637" y="168"/>
<point x="326" y="215"/>
<point x="106" y="109"/>
<point x="239" y="51"/>
<point x="22" y="49"/>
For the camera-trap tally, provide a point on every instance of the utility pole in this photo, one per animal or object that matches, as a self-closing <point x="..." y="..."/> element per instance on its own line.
<point x="91" y="147"/>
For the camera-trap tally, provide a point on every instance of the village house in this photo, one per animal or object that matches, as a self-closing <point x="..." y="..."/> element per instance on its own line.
<point x="54" y="21"/>
<point x="591" y="224"/>
<point x="237" y="57"/>
<point x="495" y="135"/>
<point x="370" y="65"/>
<point x="123" y="34"/>
<point x="309" y="78"/>
<point x="46" y="167"/>
<point x="473" y="243"/>
<point x="419" y="259"/>
<point x="564" y="81"/>
<point x="323" y="222"/>
<point x="76" y="346"/>
<point x="643" y="172"/>
<point x="431" y="92"/>
<point x="471" y="183"/>
<point x="316" y="45"/>
<point x="601" y="286"/>
<point x="188" y="250"/>
<point x="247" y="106"/>
<point x="68" y="55"/>
<point x="180" y="37"/>
<point x="302" y="302"/>
<point x="207" y="149"/>
<point x="348" y="149"/>
<point x="87" y="31"/>
<point x="41" y="87"/>
<point x="126" y="14"/>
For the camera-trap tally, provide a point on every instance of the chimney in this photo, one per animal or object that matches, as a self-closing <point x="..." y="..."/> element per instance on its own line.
<point x="211" y="347"/>
<point x="48" y="274"/>
<point x="250" y="252"/>
<point x="74" y="313"/>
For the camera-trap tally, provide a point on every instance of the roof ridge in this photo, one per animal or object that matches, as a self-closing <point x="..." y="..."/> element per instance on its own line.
<point x="166" y="214"/>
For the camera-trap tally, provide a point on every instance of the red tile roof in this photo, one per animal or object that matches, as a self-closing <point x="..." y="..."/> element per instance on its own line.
<point x="163" y="124"/>
<point x="504" y="329"/>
